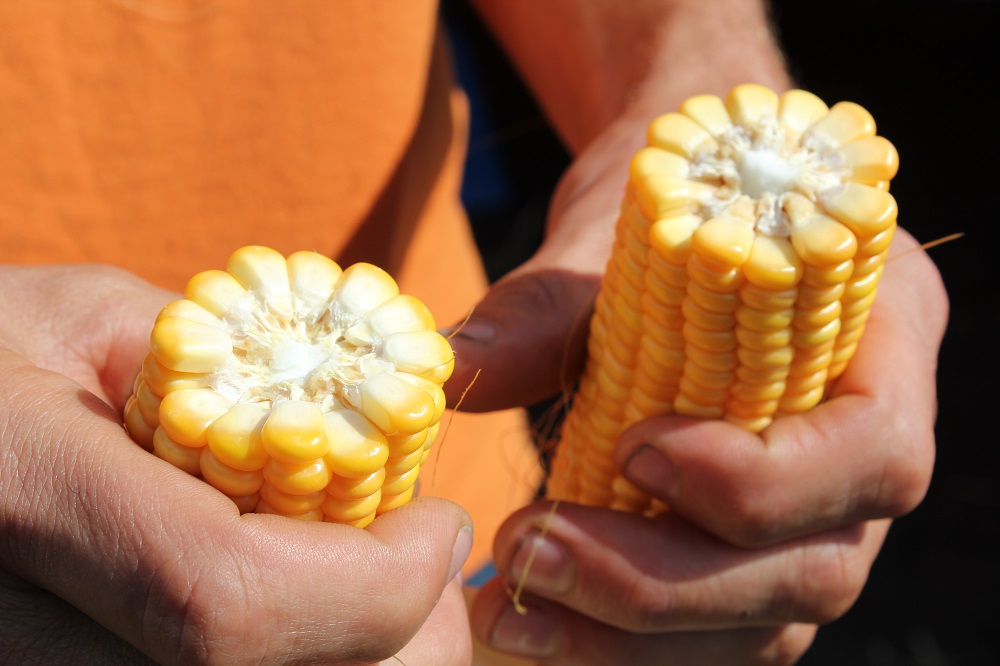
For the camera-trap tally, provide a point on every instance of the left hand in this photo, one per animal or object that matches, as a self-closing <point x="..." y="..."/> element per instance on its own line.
<point x="111" y="555"/>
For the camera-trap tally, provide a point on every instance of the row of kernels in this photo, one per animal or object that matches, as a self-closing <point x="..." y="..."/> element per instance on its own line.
<point x="859" y="296"/>
<point x="869" y="211"/>
<point x="595" y="472"/>
<point x="661" y="349"/>
<point x="718" y="248"/>
<point x="630" y="259"/>
<point x="627" y="497"/>
<point x="606" y="377"/>
<point x="817" y="323"/>
<point x="664" y="194"/>
<point x="564" y="481"/>
<point x="763" y="332"/>
<point x="759" y="380"/>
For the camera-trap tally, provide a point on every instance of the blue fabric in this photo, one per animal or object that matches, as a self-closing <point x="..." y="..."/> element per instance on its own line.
<point x="482" y="576"/>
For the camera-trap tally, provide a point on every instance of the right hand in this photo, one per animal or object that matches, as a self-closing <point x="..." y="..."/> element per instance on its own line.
<point x="114" y="556"/>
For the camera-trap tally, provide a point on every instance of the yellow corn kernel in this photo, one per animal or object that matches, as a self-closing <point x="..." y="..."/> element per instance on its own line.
<point x="651" y="161"/>
<point x="751" y="104"/>
<point x="871" y="160"/>
<point x="400" y="483"/>
<point x="187" y="458"/>
<point x="845" y="123"/>
<point x="161" y="380"/>
<point x="402" y="314"/>
<point x="186" y="345"/>
<point x="185" y="415"/>
<point x="658" y="196"/>
<point x="400" y="445"/>
<point x="798" y="110"/>
<point x="353" y="510"/>
<point x="680" y="134"/>
<point x="822" y="241"/>
<point x="708" y="111"/>
<point x="355" y="488"/>
<point x="395" y="405"/>
<point x="294" y="387"/>
<point x="311" y="277"/>
<point x="297" y="478"/>
<point x="182" y="307"/>
<point x="422" y="353"/>
<point x="357" y="446"/>
<point x="246" y="503"/>
<point x="136" y="425"/>
<point x="147" y="402"/>
<point x="773" y="264"/>
<point x="863" y="209"/>
<point x="231" y="481"/>
<point x="215" y="291"/>
<point x="724" y="241"/>
<point x="744" y="269"/>
<point x="299" y="504"/>
<point x="360" y="289"/>
<point x="390" y="502"/>
<point x="295" y="432"/>
<point x="234" y="437"/>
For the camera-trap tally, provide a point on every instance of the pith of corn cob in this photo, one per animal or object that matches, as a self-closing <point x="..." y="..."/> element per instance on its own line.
<point x="294" y="387"/>
<point x="752" y="236"/>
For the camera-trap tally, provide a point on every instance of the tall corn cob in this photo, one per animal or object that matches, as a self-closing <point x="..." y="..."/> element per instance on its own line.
<point x="752" y="236"/>
<point x="294" y="387"/>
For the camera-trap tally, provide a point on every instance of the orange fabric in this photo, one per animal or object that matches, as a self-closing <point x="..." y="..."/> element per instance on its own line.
<point x="160" y="135"/>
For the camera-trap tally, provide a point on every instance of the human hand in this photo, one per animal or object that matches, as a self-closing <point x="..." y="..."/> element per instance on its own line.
<point x="114" y="556"/>
<point x="767" y="535"/>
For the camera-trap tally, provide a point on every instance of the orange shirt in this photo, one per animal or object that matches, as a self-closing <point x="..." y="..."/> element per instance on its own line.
<point x="161" y="135"/>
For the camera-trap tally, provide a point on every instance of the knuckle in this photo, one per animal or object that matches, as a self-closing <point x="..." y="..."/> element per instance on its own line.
<point x="218" y="624"/>
<point x="753" y="522"/>
<point x="906" y="457"/>
<point x="788" y="645"/>
<point x="530" y="294"/>
<point x="648" y="608"/>
<point x="831" y="583"/>
<point x="907" y="475"/>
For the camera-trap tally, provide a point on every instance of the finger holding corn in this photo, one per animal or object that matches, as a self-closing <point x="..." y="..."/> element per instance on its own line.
<point x="294" y="387"/>
<point x="752" y="236"/>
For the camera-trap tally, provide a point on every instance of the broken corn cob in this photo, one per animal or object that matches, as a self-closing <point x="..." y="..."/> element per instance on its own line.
<point x="294" y="387"/>
<point x="752" y="236"/>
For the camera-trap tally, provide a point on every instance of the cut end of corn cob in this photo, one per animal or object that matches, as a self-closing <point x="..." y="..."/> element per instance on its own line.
<point x="752" y="237"/>
<point x="294" y="387"/>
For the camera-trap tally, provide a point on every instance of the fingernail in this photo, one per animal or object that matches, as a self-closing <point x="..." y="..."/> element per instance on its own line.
<point x="460" y="551"/>
<point x="476" y="330"/>
<point x="532" y="634"/>
<point x="551" y="569"/>
<point x="649" y="469"/>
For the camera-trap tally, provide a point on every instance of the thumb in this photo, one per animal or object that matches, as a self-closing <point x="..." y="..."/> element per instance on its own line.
<point x="526" y="338"/>
<point x="364" y="593"/>
<point x="528" y="335"/>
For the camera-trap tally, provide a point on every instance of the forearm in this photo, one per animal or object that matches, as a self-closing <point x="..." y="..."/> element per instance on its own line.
<point x="603" y="70"/>
<point x="592" y="63"/>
